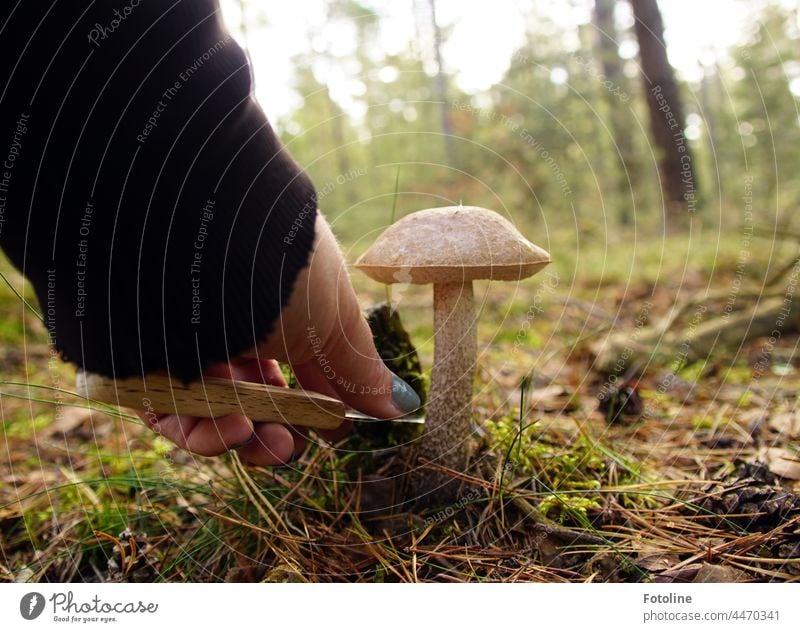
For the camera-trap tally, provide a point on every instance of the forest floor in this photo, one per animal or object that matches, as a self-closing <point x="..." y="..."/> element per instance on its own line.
<point x="692" y="475"/>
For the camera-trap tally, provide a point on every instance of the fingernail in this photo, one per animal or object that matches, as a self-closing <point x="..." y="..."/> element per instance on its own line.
<point x="288" y="463"/>
<point x="404" y="396"/>
<point x="243" y="443"/>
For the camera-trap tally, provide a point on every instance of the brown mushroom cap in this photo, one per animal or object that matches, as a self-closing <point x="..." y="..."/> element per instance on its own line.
<point x="453" y="244"/>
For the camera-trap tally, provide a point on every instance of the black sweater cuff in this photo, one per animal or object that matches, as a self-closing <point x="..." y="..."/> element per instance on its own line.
<point x="153" y="208"/>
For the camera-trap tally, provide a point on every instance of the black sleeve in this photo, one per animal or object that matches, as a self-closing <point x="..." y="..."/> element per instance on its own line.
<point x="142" y="191"/>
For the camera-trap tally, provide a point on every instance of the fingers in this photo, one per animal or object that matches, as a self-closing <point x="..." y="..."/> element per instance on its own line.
<point x="260" y="443"/>
<point x="338" y="340"/>
<point x="273" y="444"/>
<point x="311" y="378"/>
<point x="357" y="373"/>
<point x="204" y="436"/>
<point x="270" y="445"/>
<point x="249" y="369"/>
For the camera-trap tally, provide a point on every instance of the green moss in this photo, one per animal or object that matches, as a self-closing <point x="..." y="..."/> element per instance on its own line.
<point x="692" y="372"/>
<point x="561" y="508"/>
<point x="738" y="374"/>
<point x="395" y="347"/>
<point x="399" y="354"/>
<point x="702" y="423"/>
<point x="21" y="424"/>
<point x="11" y="331"/>
<point x="554" y="469"/>
<point x="745" y="399"/>
<point x="570" y="477"/>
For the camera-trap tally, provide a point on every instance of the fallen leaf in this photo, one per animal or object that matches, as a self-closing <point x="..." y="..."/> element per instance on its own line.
<point x="550" y="399"/>
<point x="68" y="418"/>
<point x="783" y="463"/>
<point x="783" y="369"/>
<point x="787" y="424"/>
<point x="717" y="574"/>
<point x="658" y="562"/>
<point x="681" y="575"/>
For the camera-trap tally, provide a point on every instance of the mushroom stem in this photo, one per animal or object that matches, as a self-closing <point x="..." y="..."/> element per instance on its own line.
<point x="449" y="408"/>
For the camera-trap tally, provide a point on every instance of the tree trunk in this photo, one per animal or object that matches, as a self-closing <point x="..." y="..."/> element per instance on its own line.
<point x="608" y="53"/>
<point x="666" y="113"/>
<point x="335" y="117"/>
<point x="441" y="86"/>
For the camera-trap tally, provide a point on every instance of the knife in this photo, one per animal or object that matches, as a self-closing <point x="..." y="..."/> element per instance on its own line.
<point x="215" y="397"/>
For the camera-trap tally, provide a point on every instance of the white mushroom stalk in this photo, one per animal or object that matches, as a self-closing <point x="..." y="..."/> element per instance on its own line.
<point x="455" y="351"/>
<point x="451" y="247"/>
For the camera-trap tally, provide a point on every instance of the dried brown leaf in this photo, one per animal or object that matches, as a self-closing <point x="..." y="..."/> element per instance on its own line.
<point x="786" y="423"/>
<point x="714" y="573"/>
<point x="784" y="463"/>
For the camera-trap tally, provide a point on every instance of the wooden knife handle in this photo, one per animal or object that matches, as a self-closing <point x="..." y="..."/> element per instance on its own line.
<point x="215" y="397"/>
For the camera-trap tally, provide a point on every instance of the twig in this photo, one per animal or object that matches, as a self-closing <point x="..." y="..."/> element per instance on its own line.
<point x="782" y="272"/>
<point x="542" y="522"/>
<point x="549" y="527"/>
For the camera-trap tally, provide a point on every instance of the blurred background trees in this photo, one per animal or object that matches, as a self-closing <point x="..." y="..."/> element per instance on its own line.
<point x="667" y="120"/>
<point x="565" y="140"/>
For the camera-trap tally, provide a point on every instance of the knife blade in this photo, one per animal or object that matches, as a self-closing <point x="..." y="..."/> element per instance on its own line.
<point x="354" y="415"/>
<point x="215" y="397"/>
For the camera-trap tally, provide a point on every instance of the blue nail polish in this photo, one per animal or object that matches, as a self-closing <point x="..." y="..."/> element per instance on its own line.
<point x="404" y="396"/>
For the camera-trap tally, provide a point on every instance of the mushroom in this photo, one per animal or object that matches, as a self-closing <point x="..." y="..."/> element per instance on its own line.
<point x="451" y="247"/>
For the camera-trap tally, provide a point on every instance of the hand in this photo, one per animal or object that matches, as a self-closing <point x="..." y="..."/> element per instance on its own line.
<point x="323" y="336"/>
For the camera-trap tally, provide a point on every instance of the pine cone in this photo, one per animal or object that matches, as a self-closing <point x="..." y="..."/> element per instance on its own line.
<point x="753" y="500"/>
<point x="750" y="499"/>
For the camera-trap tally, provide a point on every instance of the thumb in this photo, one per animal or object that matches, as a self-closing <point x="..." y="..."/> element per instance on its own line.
<point x="346" y="363"/>
<point x="323" y="335"/>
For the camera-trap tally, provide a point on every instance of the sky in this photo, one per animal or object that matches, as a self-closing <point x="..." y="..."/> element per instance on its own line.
<point x="480" y="43"/>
